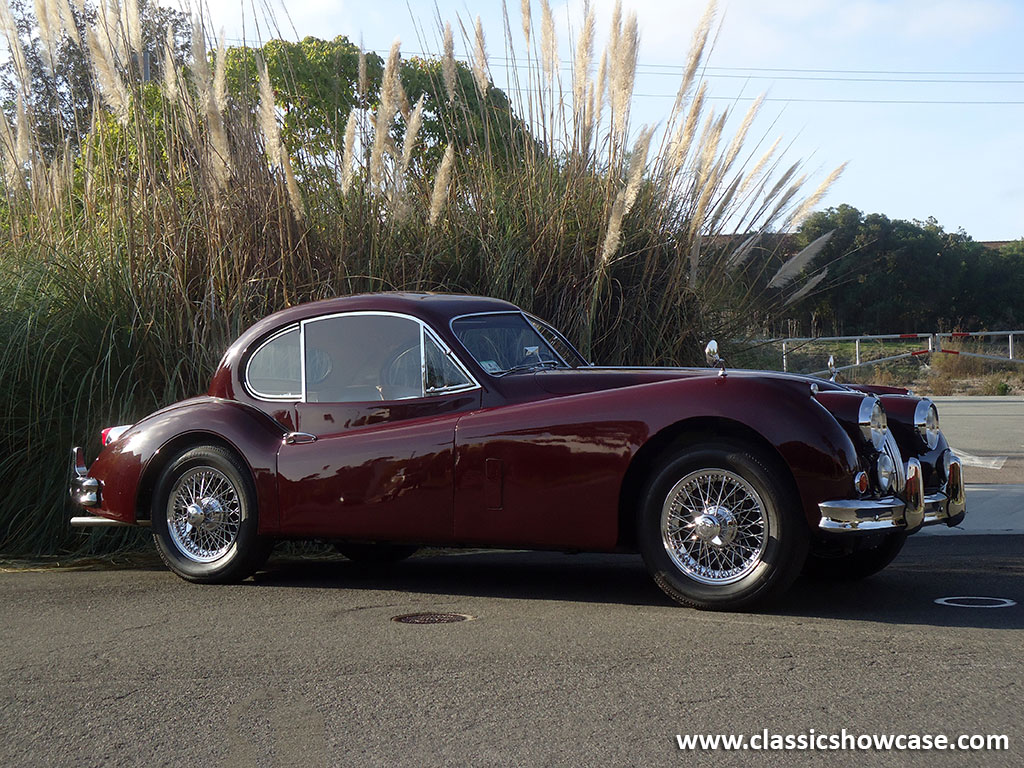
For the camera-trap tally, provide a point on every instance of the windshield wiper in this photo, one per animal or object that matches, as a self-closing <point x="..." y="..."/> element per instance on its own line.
<point x="531" y="366"/>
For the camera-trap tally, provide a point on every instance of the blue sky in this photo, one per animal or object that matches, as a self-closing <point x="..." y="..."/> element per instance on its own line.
<point x="826" y="67"/>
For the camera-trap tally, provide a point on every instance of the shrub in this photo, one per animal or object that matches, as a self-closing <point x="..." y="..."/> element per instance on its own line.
<point x="161" y="224"/>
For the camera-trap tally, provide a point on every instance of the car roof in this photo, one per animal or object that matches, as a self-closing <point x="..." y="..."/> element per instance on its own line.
<point x="435" y="309"/>
<point x="439" y="308"/>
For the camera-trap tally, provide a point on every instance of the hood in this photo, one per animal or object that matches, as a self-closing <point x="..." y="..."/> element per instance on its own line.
<point x="576" y="381"/>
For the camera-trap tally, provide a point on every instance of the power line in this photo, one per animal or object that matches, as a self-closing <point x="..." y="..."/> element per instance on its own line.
<point x="713" y="71"/>
<point x="805" y="75"/>
<point x="841" y="101"/>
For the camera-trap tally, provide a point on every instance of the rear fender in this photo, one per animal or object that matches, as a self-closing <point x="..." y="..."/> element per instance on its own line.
<point x="129" y="468"/>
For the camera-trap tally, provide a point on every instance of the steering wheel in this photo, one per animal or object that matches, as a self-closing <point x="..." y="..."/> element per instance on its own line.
<point x="402" y="369"/>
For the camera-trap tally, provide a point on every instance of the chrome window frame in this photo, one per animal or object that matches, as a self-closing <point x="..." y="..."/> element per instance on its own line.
<point x="526" y="319"/>
<point x="424" y="328"/>
<point x="290" y="398"/>
<point x="471" y="382"/>
<point x="561" y="337"/>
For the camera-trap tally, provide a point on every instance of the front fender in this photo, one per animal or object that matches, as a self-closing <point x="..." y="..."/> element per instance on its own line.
<point x="819" y="453"/>
<point x="129" y="467"/>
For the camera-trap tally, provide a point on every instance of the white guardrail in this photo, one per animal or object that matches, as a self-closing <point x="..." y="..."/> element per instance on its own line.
<point x="933" y="342"/>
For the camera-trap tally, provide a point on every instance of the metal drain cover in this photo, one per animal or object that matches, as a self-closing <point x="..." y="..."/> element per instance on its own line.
<point x="431" y="618"/>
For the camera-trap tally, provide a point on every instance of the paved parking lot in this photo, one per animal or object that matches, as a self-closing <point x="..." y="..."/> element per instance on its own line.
<point x="568" y="660"/>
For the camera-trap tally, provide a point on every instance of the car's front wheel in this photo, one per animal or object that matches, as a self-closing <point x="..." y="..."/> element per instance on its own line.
<point x="719" y="529"/>
<point x="204" y="517"/>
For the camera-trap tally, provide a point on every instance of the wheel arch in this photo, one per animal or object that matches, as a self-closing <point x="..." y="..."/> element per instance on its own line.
<point x="690" y="431"/>
<point x="166" y="453"/>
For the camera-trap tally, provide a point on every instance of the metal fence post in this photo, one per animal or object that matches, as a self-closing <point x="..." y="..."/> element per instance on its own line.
<point x="856" y="346"/>
<point x="785" y="359"/>
<point x="1011" y="346"/>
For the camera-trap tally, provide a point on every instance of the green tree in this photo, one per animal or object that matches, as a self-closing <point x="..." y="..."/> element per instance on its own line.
<point x="890" y="275"/>
<point x="59" y="105"/>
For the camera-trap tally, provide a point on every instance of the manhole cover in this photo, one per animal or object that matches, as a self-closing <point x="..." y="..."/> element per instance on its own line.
<point x="976" y="602"/>
<point x="431" y="618"/>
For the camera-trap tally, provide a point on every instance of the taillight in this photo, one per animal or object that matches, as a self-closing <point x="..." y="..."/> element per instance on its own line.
<point x="110" y="434"/>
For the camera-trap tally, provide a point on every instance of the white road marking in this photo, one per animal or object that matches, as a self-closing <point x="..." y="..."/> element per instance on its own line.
<point x="985" y="462"/>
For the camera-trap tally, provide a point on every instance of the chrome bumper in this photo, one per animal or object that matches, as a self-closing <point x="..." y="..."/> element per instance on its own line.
<point x="85" y="490"/>
<point x="894" y="513"/>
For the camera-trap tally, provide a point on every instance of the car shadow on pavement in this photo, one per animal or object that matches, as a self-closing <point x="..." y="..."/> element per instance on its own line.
<point x="905" y="593"/>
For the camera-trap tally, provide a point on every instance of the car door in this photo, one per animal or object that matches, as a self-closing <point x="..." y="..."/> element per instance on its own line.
<point x="373" y="453"/>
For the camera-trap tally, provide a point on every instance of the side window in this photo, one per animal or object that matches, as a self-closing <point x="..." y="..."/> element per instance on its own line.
<point x="273" y="371"/>
<point x="441" y="371"/>
<point x="362" y="358"/>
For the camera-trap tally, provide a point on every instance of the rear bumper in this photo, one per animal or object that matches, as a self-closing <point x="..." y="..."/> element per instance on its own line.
<point x="908" y="513"/>
<point x="87" y="492"/>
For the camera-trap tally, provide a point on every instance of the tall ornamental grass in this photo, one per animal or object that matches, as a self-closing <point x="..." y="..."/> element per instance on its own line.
<point x="171" y="213"/>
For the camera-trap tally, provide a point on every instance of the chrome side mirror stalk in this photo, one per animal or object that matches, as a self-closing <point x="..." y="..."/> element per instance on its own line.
<point x="711" y="355"/>
<point x="832" y="367"/>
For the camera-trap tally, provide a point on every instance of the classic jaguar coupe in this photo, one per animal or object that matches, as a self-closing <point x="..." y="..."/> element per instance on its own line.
<point x="387" y="422"/>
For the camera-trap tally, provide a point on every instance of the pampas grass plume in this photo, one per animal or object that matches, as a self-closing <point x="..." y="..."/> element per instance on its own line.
<point x="439" y="195"/>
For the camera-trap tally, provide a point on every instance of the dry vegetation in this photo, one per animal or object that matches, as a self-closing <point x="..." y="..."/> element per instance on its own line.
<point x="129" y="262"/>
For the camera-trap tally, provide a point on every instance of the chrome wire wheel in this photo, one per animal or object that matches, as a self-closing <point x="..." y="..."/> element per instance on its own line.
<point x="204" y="514"/>
<point x="714" y="526"/>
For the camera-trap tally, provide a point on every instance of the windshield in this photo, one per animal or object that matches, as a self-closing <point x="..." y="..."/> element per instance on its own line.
<point x="505" y="342"/>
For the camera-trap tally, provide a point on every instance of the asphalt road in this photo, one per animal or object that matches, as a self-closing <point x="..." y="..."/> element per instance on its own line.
<point x="988" y="433"/>
<point x="569" y="660"/>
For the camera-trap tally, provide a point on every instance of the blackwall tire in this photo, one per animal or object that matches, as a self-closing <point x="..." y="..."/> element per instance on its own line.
<point x="719" y="529"/>
<point x="204" y="517"/>
<point x="855" y="565"/>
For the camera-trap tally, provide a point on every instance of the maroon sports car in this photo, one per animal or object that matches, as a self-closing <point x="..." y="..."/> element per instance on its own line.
<point x="386" y="422"/>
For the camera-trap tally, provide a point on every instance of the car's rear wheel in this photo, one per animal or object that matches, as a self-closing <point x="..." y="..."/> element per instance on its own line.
<point x="859" y="564"/>
<point x="719" y="528"/>
<point x="366" y="553"/>
<point x="204" y="517"/>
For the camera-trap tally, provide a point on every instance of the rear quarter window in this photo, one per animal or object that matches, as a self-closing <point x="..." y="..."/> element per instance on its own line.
<point x="275" y="371"/>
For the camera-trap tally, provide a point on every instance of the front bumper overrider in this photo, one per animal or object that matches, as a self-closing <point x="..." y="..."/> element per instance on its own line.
<point x="907" y="512"/>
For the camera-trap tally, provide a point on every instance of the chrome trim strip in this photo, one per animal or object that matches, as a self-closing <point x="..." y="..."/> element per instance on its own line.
<point x="430" y="391"/>
<point x="93" y="521"/>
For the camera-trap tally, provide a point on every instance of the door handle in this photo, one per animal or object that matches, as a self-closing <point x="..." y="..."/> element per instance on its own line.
<point x="294" y="438"/>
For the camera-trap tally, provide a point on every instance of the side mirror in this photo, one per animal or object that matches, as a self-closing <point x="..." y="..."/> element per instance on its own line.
<point x="832" y="367"/>
<point x="711" y="355"/>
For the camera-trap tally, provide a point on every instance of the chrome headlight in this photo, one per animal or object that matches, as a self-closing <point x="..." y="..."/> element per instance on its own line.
<point x="873" y="424"/>
<point x="926" y="422"/>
